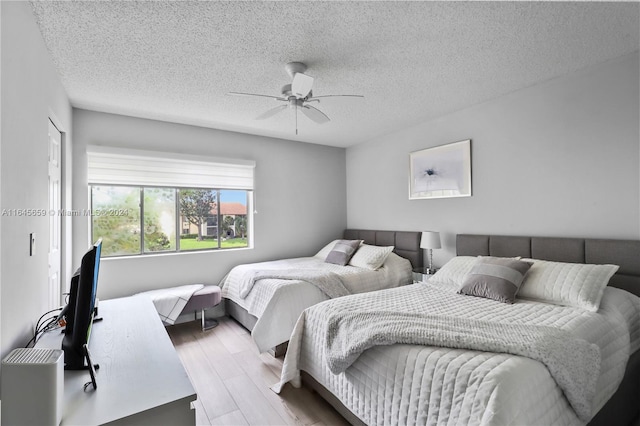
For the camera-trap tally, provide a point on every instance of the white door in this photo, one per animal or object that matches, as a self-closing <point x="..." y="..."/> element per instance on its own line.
<point x="55" y="173"/>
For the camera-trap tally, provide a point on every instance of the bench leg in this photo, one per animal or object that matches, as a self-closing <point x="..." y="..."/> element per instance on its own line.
<point x="207" y="324"/>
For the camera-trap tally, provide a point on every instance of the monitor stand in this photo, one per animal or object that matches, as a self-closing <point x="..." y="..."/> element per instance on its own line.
<point x="91" y="367"/>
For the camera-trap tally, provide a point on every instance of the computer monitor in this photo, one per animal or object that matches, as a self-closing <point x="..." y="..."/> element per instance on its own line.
<point x="79" y="311"/>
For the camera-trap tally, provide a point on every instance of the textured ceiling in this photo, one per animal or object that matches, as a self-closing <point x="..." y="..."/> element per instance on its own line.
<point x="412" y="61"/>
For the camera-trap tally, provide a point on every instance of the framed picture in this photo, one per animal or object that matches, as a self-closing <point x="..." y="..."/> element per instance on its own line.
<point x="441" y="172"/>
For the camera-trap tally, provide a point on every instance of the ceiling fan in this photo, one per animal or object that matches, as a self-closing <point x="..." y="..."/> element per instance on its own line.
<point x="297" y="96"/>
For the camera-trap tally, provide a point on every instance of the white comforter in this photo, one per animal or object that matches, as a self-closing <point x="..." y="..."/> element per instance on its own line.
<point x="278" y="303"/>
<point x="409" y="384"/>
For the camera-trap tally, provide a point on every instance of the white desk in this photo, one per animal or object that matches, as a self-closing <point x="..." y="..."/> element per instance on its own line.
<point x="140" y="380"/>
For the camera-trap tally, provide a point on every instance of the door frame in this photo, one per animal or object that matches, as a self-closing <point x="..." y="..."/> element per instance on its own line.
<point x="65" y="202"/>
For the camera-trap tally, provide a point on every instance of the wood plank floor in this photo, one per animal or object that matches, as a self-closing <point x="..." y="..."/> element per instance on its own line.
<point x="232" y="380"/>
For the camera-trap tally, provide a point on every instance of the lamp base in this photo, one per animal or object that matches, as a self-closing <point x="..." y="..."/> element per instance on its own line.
<point x="430" y="271"/>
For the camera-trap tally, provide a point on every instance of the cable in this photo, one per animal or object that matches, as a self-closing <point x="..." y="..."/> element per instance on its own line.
<point x="43" y="315"/>
<point x="44" y="326"/>
<point x="52" y="324"/>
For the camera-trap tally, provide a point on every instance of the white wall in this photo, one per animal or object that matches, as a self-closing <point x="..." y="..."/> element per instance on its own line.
<point x="300" y="198"/>
<point x="1" y="352"/>
<point x="556" y="159"/>
<point x="31" y="93"/>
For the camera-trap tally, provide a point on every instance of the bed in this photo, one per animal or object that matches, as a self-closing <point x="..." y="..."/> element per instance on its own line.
<point x="272" y="306"/>
<point x="404" y="383"/>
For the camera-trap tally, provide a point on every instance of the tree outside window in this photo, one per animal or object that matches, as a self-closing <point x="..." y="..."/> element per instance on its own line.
<point x="197" y="205"/>
<point x="120" y="232"/>
<point x="159" y="219"/>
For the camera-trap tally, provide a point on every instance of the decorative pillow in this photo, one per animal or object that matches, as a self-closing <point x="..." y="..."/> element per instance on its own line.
<point x="454" y="271"/>
<point x="342" y="251"/>
<point x="568" y="284"/>
<point x="370" y="257"/>
<point x="324" y="251"/>
<point x="497" y="278"/>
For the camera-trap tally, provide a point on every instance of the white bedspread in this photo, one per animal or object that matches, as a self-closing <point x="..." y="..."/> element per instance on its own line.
<point x="278" y="303"/>
<point x="326" y="281"/>
<point x="573" y="362"/>
<point x="410" y="384"/>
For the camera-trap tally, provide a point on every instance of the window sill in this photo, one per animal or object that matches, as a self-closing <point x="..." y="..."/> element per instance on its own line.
<point x="180" y="253"/>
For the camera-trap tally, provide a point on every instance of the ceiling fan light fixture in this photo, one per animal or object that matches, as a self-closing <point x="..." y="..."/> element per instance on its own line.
<point x="301" y="85"/>
<point x="297" y="95"/>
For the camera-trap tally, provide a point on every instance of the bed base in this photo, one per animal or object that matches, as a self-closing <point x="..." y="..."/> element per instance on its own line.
<point x="240" y="314"/>
<point x="248" y="321"/>
<point x="624" y="406"/>
<point x="310" y="383"/>
<point x="623" y="409"/>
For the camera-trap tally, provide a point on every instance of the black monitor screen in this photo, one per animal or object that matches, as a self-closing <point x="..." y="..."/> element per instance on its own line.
<point x="79" y="311"/>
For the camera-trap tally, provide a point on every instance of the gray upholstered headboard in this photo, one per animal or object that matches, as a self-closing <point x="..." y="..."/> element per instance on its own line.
<point x="624" y="253"/>
<point x="407" y="244"/>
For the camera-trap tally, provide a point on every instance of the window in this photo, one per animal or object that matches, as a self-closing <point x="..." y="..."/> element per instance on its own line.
<point x="159" y="207"/>
<point x="120" y="223"/>
<point x="199" y="208"/>
<point x="141" y="203"/>
<point x="137" y="220"/>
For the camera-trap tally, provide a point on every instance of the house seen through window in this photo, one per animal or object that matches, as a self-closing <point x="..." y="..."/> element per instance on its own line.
<point x="138" y="219"/>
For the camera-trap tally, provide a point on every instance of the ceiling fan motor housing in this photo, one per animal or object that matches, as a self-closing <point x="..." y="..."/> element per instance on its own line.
<point x="286" y="91"/>
<point x="295" y="67"/>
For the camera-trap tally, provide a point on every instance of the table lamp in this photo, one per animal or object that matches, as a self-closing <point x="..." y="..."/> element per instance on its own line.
<point x="430" y="240"/>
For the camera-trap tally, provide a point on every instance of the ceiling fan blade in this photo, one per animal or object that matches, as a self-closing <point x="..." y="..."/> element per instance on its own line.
<point x="254" y="94"/>
<point x="301" y="85"/>
<point x="271" y="112"/>
<point x="315" y="114"/>
<point x="333" y="96"/>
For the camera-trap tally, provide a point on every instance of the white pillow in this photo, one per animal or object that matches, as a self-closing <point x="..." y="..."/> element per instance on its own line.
<point x="370" y="257"/>
<point x="567" y="284"/>
<point x="454" y="271"/>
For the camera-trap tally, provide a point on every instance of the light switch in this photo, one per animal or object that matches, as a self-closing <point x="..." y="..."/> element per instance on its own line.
<point x="32" y="244"/>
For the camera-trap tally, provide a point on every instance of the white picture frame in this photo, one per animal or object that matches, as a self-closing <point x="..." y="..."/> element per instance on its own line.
<point x="441" y="172"/>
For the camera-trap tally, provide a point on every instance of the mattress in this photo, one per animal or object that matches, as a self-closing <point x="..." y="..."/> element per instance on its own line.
<point x="411" y="384"/>
<point x="277" y="303"/>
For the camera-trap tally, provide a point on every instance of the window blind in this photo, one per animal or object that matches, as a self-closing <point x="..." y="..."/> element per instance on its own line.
<point x="119" y="166"/>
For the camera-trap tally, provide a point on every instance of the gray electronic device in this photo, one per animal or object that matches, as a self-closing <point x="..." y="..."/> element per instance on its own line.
<point x="32" y="383"/>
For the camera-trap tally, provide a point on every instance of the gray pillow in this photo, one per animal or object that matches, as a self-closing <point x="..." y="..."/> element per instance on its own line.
<point x="496" y="278"/>
<point x="342" y="252"/>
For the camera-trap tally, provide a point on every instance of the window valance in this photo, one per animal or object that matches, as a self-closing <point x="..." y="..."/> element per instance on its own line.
<point x="119" y="166"/>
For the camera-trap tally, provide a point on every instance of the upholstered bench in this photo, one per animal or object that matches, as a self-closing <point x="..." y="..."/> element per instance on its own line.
<point x="207" y="297"/>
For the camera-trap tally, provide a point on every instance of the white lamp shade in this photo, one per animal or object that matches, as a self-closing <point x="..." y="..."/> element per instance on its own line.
<point x="430" y="240"/>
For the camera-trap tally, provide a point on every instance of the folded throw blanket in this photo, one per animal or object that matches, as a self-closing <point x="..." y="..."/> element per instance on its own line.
<point x="574" y="363"/>
<point x="169" y="302"/>
<point x="328" y="282"/>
